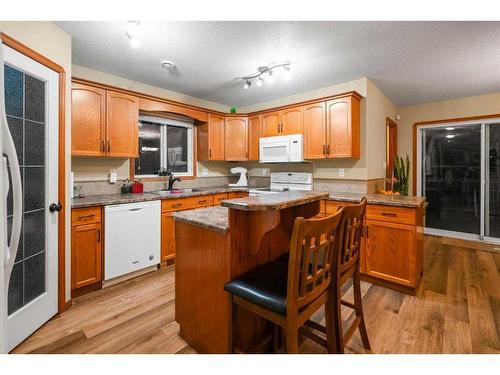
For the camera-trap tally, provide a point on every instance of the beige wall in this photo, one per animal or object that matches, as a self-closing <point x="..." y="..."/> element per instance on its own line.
<point x="51" y="41"/>
<point x="448" y="109"/>
<point x="378" y="108"/>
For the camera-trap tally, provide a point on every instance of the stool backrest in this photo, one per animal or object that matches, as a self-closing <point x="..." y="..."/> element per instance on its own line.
<point x="352" y="231"/>
<point x="312" y="248"/>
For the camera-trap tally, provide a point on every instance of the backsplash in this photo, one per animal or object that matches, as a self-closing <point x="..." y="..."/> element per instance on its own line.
<point x="103" y="187"/>
<point x="349" y="186"/>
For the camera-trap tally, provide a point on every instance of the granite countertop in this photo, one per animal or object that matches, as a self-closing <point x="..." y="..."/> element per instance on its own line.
<point x="278" y="201"/>
<point x="108" y="199"/>
<point x="213" y="218"/>
<point x="385" y="200"/>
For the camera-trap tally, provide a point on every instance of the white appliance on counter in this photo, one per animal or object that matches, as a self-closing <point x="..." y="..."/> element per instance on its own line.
<point x="282" y="149"/>
<point x="131" y="237"/>
<point x="243" y="180"/>
<point x="286" y="181"/>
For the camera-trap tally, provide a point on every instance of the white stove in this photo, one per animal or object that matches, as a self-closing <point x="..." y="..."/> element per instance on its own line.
<point x="286" y="181"/>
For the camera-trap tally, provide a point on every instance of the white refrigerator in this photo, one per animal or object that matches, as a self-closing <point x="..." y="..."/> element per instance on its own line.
<point x="8" y="249"/>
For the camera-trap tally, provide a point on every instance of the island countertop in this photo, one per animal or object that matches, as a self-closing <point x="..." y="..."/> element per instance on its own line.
<point x="213" y="218"/>
<point x="278" y="201"/>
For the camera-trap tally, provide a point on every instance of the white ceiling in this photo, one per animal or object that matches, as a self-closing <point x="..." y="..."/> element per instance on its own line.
<point x="411" y="62"/>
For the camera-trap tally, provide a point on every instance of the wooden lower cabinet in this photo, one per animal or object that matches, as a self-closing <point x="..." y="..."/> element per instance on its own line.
<point x="392" y="245"/>
<point x="86" y="248"/>
<point x="167" y="236"/>
<point x="391" y="252"/>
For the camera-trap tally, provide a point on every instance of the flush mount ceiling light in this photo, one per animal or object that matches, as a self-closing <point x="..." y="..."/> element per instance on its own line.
<point x="449" y="136"/>
<point x="266" y="74"/>
<point x="132" y="32"/>
<point x="450" y="128"/>
<point x="168" y="65"/>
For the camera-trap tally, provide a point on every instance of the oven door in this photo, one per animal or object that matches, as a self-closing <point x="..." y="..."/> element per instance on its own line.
<point x="274" y="150"/>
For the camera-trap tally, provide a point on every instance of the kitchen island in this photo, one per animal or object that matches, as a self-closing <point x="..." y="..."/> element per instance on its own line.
<point x="216" y="244"/>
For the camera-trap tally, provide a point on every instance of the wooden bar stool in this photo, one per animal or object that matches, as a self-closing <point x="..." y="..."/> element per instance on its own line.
<point x="347" y="266"/>
<point x="289" y="294"/>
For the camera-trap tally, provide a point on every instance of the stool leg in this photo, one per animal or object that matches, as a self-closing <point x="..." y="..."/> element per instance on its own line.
<point x="359" y="309"/>
<point x="331" y="331"/>
<point x="292" y="340"/>
<point x="232" y="325"/>
<point x="337" y="317"/>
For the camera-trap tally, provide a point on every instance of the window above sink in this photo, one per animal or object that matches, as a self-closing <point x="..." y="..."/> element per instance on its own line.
<point x="164" y="143"/>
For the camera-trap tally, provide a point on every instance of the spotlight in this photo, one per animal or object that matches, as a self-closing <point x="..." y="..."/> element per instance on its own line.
<point x="259" y="82"/>
<point x="247" y="84"/>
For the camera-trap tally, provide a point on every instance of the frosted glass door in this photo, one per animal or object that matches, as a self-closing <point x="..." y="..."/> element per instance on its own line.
<point x="31" y="102"/>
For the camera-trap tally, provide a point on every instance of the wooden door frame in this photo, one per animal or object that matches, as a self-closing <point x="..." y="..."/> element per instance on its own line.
<point x="390" y="124"/>
<point x="25" y="50"/>
<point x="437" y="123"/>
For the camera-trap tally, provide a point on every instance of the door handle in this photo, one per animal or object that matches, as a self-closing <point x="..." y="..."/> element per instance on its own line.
<point x="56" y="207"/>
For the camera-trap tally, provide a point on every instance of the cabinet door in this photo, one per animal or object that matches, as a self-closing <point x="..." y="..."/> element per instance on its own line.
<point x="343" y="127"/>
<point x="271" y="124"/>
<point x="122" y="125"/>
<point x="167" y="236"/>
<point x="86" y="255"/>
<point x="236" y="138"/>
<point x="216" y="137"/>
<point x="88" y="119"/>
<point x="292" y="121"/>
<point x="315" y="131"/>
<point x="391" y="252"/>
<point x="254" y="125"/>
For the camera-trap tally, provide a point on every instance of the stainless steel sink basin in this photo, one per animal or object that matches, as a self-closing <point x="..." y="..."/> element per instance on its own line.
<point x="173" y="191"/>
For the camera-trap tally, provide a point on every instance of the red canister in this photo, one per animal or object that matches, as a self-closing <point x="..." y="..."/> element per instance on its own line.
<point x="137" y="187"/>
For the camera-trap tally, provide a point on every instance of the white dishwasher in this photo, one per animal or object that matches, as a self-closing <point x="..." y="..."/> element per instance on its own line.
<point x="131" y="237"/>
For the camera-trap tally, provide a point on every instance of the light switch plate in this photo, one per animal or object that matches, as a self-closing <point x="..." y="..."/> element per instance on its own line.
<point x="341" y="172"/>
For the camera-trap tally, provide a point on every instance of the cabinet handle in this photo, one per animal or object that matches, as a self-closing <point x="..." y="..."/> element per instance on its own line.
<point x="86" y="216"/>
<point x="209" y="152"/>
<point x="98" y="235"/>
<point x="389" y="214"/>
<point x="176" y="205"/>
<point x="367" y="231"/>
<point x="324" y="150"/>
<point x="103" y="146"/>
<point x="328" y="150"/>
<point x="202" y="201"/>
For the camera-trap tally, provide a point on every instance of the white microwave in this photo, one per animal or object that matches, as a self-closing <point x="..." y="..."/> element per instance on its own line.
<point x="282" y="149"/>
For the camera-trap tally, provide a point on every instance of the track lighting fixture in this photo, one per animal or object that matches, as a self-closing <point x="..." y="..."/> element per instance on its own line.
<point x="265" y="73"/>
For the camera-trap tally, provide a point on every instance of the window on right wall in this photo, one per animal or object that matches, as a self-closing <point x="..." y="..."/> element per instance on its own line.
<point x="164" y="143"/>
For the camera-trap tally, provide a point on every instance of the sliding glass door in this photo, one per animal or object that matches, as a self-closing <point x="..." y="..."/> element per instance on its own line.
<point x="458" y="171"/>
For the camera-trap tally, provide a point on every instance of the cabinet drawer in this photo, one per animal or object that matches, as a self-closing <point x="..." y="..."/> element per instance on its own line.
<point x="169" y="205"/>
<point x="237" y="194"/>
<point x="331" y="207"/>
<point x="219" y="198"/>
<point x="85" y="215"/>
<point x="391" y="214"/>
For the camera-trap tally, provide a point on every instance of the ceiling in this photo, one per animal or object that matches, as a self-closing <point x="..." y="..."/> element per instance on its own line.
<point x="411" y="62"/>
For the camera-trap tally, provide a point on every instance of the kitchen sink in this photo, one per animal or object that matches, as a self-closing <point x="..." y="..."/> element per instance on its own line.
<point x="173" y="191"/>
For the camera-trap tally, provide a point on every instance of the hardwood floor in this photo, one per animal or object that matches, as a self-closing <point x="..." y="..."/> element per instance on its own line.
<point x="456" y="310"/>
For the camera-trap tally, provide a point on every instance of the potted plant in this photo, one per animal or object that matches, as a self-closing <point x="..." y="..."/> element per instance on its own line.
<point x="401" y="175"/>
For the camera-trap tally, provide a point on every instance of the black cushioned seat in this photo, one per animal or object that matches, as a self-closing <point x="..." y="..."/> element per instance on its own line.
<point x="265" y="286"/>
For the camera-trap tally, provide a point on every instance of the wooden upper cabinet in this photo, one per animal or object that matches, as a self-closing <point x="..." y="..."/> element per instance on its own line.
<point x="343" y="126"/>
<point x="88" y="120"/>
<point x="254" y="130"/>
<point x="315" y="131"/>
<point x="216" y="139"/>
<point x="122" y="125"/>
<point x="211" y="138"/>
<point x="236" y="129"/>
<point x="292" y="120"/>
<point x="271" y="124"/>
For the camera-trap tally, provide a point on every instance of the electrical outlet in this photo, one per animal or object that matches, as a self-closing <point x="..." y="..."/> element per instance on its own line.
<point x="204" y="172"/>
<point x="341" y="172"/>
